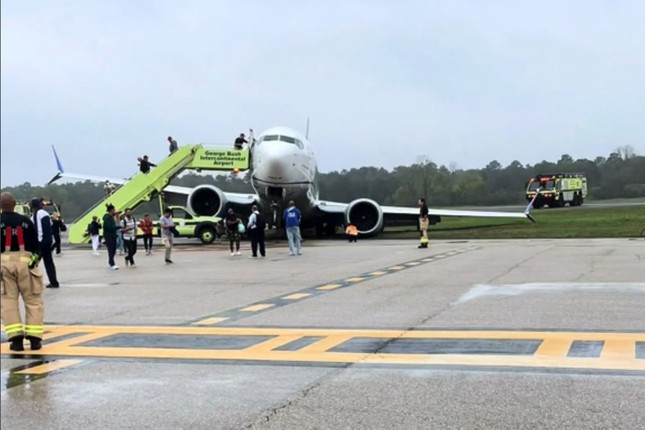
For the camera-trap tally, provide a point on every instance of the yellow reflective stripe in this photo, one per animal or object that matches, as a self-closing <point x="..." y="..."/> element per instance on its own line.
<point x="33" y="326"/>
<point x="34" y="329"/>
<point x="14" y="331"/>
<point x="10" y="326"/>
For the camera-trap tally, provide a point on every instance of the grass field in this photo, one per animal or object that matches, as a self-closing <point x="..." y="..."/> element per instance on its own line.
<point x="578" y="222"/>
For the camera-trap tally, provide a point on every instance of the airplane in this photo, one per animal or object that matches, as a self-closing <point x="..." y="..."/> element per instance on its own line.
<point x="284" y="168"/>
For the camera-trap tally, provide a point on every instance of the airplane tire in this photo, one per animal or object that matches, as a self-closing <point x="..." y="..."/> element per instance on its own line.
<point x="207" y="234"/>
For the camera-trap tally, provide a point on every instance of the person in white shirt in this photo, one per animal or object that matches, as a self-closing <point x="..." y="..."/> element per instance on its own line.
<point x="256" y="228"/>
<point x="129" y="231"/>
<point x="167" y="226"/>
<point x="43" y="224"/>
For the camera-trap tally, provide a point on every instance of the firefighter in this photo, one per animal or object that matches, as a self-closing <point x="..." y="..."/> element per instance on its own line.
<point x="423" y="223"/>
<point x="20" y="276"/>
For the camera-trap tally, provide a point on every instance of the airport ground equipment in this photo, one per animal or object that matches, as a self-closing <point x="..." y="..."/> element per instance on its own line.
<point x="557" y="189"/>
<point x="143" y="187"/>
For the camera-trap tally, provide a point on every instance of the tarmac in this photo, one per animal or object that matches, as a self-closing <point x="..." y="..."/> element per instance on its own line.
<point x="378" y="334"/>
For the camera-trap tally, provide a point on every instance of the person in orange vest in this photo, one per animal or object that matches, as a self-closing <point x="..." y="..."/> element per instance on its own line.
<point x="352" y="233"/>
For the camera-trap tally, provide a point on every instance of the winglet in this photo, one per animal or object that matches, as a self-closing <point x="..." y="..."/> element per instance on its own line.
<point x="59" y="166"/>
<point x="58" y="163"/>
<point x="527" y="211"/>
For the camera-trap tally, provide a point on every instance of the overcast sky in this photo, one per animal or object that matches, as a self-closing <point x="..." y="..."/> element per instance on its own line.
<point x="463" y="82"/>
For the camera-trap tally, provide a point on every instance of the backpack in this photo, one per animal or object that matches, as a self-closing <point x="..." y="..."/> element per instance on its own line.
<point x="260" y="222"/>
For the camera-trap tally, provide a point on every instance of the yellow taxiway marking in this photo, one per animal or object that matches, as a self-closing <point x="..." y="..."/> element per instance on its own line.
<point x="296" y="296"/>
<point x="377" y="273"/>
<point x="270" y="344"/>
<point x="329" y="287"/>
<point x="256" y="308"/>
<point x="210" y="321"/>
<point x="427" y="260"/>
<point x="618" y="353"/>
<point x="356" y="279"/>
<point x="412" y="263"/>
<point x="396" y="268"/>
<point x="48" y="367"/>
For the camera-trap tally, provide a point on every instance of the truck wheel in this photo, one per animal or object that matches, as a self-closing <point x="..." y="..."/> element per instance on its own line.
<point x="207" y="234"/>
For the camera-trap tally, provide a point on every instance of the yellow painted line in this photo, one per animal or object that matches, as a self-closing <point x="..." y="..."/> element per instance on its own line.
<point x="616" y="348"/>
<point x="377" y="273"/>
<point x="325" y="344"/>
<point x="329" y="287"/>
<point x="439" y="256"/>
<point x="357" y="279"/>
<point x="554" y="347"/>
<point x="271" y="344"/>
<point x="296" y="296"/>
<point x="619" y="355"/>
<point x="81" y="339"/>
<point x="256" y="308"/>
<point x="101" y="331"/>
<point x="412" y="263"/>
<point x="210" y="321"/>
<point x="48" y="367"/>
<point x="427" y="260"/>
<point x="396" y="268"/>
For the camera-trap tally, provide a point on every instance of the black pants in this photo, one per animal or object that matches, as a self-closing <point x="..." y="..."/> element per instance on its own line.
<point x="56" y="244"/>
<point x="257" y="238"/>
<point x="147" y="242"/>
<point x="46" y="255"/>
<point x="130" y="249"/>
<point x="352" y="238"/>
<point x="110" y="243"/>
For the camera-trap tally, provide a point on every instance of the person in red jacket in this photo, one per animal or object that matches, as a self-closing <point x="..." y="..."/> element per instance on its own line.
<point x="146" y="227"/>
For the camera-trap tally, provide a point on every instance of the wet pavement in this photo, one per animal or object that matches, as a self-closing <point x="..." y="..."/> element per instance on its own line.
<point x="378" y="334"/>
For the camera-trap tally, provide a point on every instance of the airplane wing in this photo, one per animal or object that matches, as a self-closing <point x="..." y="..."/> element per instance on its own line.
<point x="370" y="217"/>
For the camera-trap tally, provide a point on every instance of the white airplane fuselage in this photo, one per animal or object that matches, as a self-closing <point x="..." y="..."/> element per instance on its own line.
<point x="283" y="168"/>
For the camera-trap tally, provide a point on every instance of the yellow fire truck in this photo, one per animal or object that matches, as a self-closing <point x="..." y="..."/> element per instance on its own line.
<point x="557" y="189"/>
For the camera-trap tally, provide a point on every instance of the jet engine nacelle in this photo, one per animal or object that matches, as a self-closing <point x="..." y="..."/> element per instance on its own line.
<point x="366" y="215"/>
<point x="207" y="200"/>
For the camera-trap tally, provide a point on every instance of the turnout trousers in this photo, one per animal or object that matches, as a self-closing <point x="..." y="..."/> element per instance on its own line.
<point x="19" y="280"/>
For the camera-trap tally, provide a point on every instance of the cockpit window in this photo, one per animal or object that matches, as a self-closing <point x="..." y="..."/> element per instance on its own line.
<point x="287" y="139"/>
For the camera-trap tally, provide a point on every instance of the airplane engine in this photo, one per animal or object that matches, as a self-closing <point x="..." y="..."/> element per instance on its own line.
<point x="366" y="215"/>
<point x="207" y="200"/>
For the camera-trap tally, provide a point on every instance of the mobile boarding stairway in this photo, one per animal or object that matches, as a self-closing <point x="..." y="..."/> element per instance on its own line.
<point x="143" y="187"/>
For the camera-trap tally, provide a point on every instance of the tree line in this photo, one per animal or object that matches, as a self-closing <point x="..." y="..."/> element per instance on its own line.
<point x="620" y="175"/>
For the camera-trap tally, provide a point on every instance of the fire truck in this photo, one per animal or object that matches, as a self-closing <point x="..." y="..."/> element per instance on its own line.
<point x="557" y="189"/>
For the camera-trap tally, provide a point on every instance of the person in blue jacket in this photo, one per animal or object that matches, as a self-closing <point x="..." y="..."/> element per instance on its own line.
<point x="292" y="219"/>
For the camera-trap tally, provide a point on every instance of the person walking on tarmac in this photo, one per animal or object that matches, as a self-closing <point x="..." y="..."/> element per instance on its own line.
<point x="21" y="277"/>
<point x="58" y="225"/>
<point x="352" y="232"/>
<point x="233" y="228"/>
<point x="146" y="227"/>
<point x="291" y="220"/>
<point x="110" y="229"/>
<point x="167" y="226"/>
<point x="129" y="231"/>
<point x="93" y="229"/>
<point x="423" y="223"/>
<point x="43" y="224"/>
<point x="256" y="228"/>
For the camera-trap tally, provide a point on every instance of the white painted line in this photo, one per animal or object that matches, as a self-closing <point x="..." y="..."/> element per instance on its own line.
<point x="489" y="290"/>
